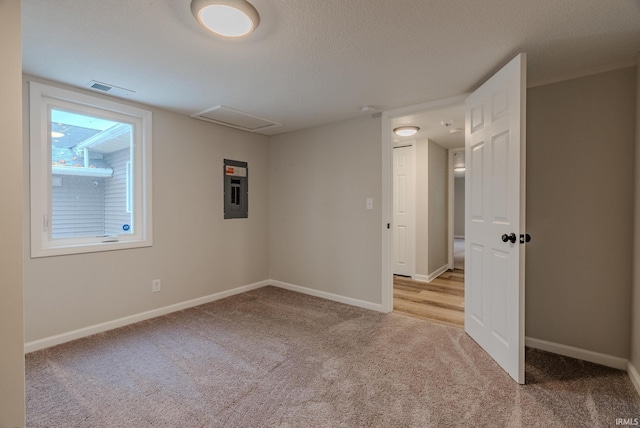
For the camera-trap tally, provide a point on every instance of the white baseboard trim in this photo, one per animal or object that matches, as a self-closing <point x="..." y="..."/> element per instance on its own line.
<point x="431" y="276"/>
<point x="47" y="342"/>
<point x="581" y="354"/>
<point x="437" y="273"/>
<point x="328" y="296"/>
<point x="634" y="376"/>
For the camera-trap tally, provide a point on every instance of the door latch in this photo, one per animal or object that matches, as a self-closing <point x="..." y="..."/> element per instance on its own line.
<point x="525" y="238"/>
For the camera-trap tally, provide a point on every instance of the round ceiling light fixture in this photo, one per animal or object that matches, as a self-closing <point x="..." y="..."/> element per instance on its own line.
<point x="406" y="131"/>
<point x="229" y="18"/>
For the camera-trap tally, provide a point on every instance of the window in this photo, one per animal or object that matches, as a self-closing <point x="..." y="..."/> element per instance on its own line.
<point x="90" y="173"/>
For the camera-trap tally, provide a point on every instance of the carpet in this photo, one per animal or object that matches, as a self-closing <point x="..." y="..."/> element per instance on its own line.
<point x="275" y="358"/>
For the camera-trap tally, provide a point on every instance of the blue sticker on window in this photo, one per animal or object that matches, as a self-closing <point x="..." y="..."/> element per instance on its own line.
<point x="126" y="227"/>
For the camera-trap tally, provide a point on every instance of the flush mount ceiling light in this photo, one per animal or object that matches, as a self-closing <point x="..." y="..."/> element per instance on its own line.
<point x="229" y="18"/>
<point x="406" y="131"/>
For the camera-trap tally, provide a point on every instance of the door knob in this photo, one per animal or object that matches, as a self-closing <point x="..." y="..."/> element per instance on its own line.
<point x="511" y="237"/>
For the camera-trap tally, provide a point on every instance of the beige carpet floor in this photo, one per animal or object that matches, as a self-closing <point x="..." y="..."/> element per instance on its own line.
<point x="274" y="358"/>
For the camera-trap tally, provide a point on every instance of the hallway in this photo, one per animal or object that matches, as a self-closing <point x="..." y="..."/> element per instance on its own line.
<point x="441" y="300"/>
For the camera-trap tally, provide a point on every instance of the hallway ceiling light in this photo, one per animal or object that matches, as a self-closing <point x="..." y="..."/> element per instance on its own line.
<point x="229" y="18"/>
<point x="406" y="131"/>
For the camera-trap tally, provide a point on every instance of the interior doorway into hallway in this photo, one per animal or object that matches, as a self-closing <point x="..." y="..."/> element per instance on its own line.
<point x="424" y="191"/>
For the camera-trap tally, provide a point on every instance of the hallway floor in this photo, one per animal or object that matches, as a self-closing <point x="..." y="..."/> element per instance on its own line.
<point x="441" y="300"/>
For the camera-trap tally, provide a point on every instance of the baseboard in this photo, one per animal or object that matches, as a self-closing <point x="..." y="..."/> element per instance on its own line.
<point x="47" y="342"/>
<point x="437" y="273"/>
<point x="420" y="278"/>
<point x="581" y="354"/>
<point x="431" y="276"/>
<point x="121" y="322"/>
<point x="634" y="376"/>
<point x="328" y="296"/>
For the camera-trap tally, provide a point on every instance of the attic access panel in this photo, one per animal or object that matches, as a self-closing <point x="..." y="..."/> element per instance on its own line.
<point x="227" y="116"/>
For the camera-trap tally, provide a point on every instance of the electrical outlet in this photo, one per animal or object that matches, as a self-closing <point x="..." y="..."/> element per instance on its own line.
<point x="155" y="286"/>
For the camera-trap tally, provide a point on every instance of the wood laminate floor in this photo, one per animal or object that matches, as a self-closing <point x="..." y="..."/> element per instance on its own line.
<point x="441" y="300"/>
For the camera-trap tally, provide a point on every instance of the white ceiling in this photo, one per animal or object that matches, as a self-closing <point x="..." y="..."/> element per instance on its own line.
<point x="312" y="62"/>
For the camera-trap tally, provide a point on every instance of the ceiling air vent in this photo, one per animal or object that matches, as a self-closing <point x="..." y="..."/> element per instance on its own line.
<point x="227" y="116"/>
<point x="109" y="89"/>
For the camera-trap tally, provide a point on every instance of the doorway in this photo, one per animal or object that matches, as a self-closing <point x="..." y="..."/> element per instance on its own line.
<point x="433" y="290"/>
<point x="456" y="206"/>
<point x="495" y="124"/>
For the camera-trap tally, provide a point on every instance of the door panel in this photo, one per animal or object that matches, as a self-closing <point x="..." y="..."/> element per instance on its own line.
<point x="474" y="306"/>
<point x="403" y="211"/>
<point x="494" y="279"/>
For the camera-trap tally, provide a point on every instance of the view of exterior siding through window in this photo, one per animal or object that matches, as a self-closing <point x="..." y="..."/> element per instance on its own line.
<point x="90" y="176"/>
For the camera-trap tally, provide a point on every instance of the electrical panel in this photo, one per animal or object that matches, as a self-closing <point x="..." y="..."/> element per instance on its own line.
<point x="236" y="189"/>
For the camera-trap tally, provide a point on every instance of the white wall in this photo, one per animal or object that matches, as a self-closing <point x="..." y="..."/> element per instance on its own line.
<point x="196" y="252"/>
<point x="580" y="175"/>
<point x="322" y="236"/>
<point x="12" y="405"/>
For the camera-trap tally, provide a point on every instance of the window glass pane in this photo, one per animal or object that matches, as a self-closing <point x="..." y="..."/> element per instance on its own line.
<point x="90" y="173"/>
<point x="91" y="189"/>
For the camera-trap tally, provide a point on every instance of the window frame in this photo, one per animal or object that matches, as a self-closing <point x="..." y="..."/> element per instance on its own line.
<point x="41" y="98"/>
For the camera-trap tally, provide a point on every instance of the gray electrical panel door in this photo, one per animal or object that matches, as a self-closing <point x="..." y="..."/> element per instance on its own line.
<point x="236" y="189"/>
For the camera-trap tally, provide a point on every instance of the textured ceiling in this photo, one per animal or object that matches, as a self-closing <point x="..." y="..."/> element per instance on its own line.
<point x="312" y="62"/>
<point x="431" y="127"/>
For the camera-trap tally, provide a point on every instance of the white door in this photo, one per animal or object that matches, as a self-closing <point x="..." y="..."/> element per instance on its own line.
<point x="403" y="211"/>
<point x="494" y="276"/>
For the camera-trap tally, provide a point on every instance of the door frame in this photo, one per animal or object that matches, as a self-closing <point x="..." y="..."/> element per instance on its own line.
<point x="387" y="188"/>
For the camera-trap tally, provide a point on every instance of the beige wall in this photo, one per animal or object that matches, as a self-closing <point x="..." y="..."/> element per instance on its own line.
<point x="422" y="209"/>
<point x="580" y="175"/>
<point x="438" y="219"/>
<point x="635" y="301"/>
<point x="196" y="252"/>
<point x="458" y="206"/>
<point x="12" y="406"/>
<point x="431" y="208"/>
<point x="322" y="236"/>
